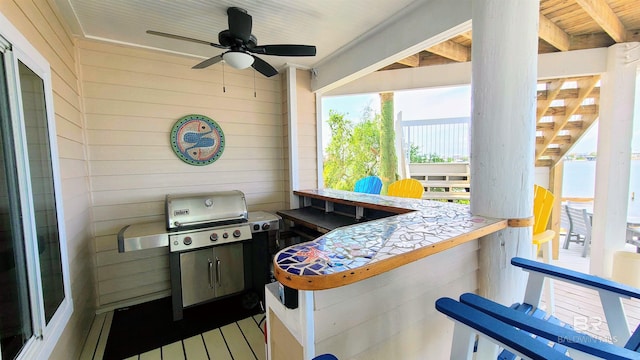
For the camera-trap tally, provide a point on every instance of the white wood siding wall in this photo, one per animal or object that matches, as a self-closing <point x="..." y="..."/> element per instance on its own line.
<point x="40" y="23"/>
<point x="133" y="97"/>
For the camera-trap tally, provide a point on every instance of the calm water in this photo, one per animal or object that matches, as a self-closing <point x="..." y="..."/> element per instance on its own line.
<point x="579" y="181"/>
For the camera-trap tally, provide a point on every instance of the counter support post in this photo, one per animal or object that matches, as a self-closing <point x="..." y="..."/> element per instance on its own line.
<point x="308" y="327"/>
<point x="503" y="125"/>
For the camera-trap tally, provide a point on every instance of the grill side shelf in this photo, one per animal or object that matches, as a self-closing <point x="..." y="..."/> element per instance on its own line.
<point x="142" y="236"/>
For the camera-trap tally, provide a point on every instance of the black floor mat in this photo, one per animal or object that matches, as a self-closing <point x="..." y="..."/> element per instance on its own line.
<point x="148" y="326"/>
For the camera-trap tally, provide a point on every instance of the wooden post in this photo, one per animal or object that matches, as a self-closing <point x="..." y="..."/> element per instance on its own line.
<point x="615" y="129"/>
<point x="388" y="158"/>
<point x="504" y="76"/>
<point x="555" y="185"/>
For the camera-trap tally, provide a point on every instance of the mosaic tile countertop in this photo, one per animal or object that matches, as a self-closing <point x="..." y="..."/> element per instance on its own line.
<point x="356" y="252"/>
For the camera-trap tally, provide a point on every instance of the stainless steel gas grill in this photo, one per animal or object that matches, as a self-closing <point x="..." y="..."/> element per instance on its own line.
<point x="216" y="247"/>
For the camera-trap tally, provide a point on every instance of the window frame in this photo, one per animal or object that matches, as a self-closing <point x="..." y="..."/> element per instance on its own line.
<point x="45" y="336"/>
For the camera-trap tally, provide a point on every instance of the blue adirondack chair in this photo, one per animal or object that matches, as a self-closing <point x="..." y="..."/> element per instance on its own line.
<point x="474" y="314"/>
<point x="368" y="185"/>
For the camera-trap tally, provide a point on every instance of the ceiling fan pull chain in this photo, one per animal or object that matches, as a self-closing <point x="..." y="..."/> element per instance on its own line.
<point x="254" y="83"/>
<point x="224" y="89"/>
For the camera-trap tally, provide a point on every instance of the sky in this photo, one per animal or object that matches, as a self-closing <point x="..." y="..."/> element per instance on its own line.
<point x="446" y="102"/>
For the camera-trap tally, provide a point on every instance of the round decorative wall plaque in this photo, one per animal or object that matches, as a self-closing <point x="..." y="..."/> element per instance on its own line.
<point x="197" y="140"/>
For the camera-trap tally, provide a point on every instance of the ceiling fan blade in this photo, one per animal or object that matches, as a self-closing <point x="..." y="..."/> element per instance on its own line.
<point x="208" y="62"/>
<point x="240" y="23"/>
<point x="285" y="50"/>
<point x="179" y="37"/>
<point x="263" y="67"/>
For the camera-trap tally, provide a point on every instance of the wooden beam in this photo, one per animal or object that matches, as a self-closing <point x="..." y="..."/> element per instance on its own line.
<point x="590" y="41"/>
<point x="412" y="61"/>
<point x="553" y="34"/>
<point x="601" y="12"/>
<point x="560" y="140"/>
<point x="549" y="125"/>
<point x="567" y="94"/>
<point x="451" y="50"/>
<point x="544" y="163"/>
<point x="430" y="59"/>
<point x="562" y="110"/>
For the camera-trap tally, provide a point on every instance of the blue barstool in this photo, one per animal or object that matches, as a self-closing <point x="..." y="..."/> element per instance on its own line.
<point x="325" y="357"/>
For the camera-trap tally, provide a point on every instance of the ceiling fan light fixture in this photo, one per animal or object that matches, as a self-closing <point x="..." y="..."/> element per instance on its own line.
<point x="237" y="59"/>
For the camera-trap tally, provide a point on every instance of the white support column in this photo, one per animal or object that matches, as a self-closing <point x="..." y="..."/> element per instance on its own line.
<point x="615" y="130"/>
<point x="504" y="69"/>
<point x="319" y="141"/>
<point x="292" y="102"/>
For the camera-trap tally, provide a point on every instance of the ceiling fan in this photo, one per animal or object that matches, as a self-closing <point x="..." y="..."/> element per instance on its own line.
<point x="241" y="45"/>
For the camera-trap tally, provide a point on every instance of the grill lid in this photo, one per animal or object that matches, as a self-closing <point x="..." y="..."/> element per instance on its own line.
<point x="197" y="210"/>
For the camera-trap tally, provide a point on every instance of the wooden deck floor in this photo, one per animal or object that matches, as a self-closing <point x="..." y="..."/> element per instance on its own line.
<point x="581" y="307"/>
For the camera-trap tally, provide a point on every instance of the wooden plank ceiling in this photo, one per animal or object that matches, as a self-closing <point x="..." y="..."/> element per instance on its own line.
<point x="566" y="107"/>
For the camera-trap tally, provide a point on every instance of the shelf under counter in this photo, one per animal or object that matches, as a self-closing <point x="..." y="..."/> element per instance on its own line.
<point x="317" y="219"/>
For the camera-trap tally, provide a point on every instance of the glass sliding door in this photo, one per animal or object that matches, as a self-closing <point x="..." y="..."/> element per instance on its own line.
<point x="41" y="175"/>
<point x="15" y="312"/>
<point x="35" y="299"/>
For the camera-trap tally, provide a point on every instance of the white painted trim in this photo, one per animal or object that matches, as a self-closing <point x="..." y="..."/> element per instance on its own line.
<point x="294" y="65"/>
<point x="24" y="188"/>
<point x="319" y="149"/>
<point x="415" y="28"/>
<point x="572" y="63"/>
<point x="292" y="102"/>
<point x="554" y="65"/>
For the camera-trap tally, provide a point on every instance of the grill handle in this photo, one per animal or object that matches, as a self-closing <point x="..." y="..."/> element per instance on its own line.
<point x="219" y="272"/>
<point x="180" y="224"/>
<point x="210" y="274"/>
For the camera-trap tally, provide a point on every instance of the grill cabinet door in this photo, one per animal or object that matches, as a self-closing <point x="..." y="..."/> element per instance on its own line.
<point x="229" y="269"/>
<point x="197" y="272"/>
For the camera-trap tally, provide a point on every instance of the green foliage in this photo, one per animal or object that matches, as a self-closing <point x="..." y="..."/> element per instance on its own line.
<point x="416" y="157"/>
<point x="354" y="150"/>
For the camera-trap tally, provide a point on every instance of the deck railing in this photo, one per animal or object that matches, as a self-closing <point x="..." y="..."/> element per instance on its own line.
<point x="442" y="146"/>
<point x="446" y="139"/>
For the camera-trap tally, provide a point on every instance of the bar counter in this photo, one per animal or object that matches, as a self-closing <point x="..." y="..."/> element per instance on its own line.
<point x="356" y="252"/>
<point x="366" y="287"/>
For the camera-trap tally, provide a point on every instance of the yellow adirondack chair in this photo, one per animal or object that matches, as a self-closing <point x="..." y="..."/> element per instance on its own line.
<point x="542" y="206"/>
<point x="408" y="188"/>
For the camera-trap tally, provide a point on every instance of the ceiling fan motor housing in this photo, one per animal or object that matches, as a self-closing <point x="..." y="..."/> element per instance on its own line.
<point x="225" y="38"/>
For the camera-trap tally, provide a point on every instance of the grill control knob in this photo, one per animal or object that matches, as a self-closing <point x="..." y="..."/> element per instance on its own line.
<point x="213" y="237"/>
<point x="266" y="226"/>
<point x="256" y="227"/>
<point x="225" y="235"/>
<point x="187" y="240"/>
<point x="208" y="203"/>
<point x="236" y="233"/>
